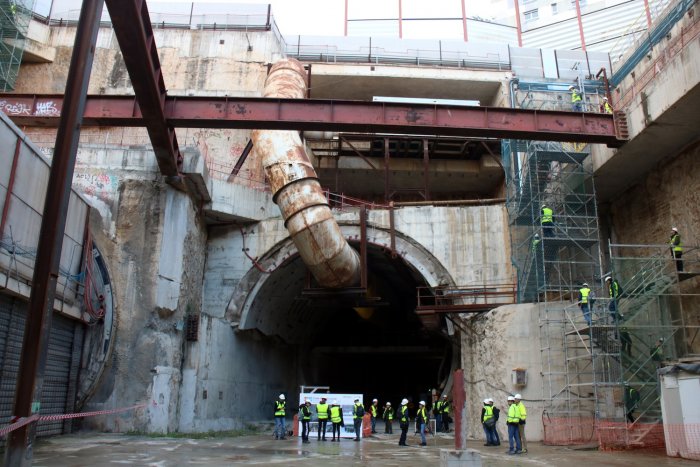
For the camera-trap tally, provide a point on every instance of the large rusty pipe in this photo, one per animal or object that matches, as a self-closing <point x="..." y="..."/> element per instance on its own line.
<point x="297" y="191"/>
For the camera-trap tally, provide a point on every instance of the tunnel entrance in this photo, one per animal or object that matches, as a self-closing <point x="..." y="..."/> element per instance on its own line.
<point x="379" y="348"/>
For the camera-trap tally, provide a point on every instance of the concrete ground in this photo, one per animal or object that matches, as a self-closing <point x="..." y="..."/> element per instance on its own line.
<point x="379" y="450"/>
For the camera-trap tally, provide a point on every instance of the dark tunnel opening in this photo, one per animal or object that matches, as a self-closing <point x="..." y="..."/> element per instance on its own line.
<point x="379" y="349"/>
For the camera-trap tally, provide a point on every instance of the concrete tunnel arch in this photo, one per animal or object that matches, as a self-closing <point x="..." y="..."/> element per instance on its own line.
<point x="266" y="306"/>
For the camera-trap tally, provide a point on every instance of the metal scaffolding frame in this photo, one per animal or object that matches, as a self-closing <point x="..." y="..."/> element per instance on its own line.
<point x="15" y="16"/>
<point x="588" y="367"/>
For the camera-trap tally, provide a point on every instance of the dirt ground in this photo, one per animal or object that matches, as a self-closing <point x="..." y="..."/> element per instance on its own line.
<point x="378" y="450"/>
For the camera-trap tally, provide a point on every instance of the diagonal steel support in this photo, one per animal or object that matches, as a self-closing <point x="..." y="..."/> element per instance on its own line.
<point x="132" y="26"/>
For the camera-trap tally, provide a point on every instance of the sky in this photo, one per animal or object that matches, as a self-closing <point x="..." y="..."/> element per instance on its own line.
<point x="326" y="17"/>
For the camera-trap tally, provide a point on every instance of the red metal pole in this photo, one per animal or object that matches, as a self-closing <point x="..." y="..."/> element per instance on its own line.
<point x="580" y="25"/>
<point x="10" y="185"/>
<point x="400" y="21"/>
<point x="464" y="20"/>
<point x="518" y="26"/>
<point x="30" y="379"/>
<point x="426" y="169"/>
<point x="648" y="13"/>
<point x="459" y="405"/>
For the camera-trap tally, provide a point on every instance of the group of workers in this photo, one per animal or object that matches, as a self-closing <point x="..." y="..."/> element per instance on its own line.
<point x="333" y="412"/>
<point x="577" y="102"/>
<point x="517" y="416"/>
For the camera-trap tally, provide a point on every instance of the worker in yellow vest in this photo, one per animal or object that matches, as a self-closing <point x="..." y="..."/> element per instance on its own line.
<point x="373" y="412"/>
<point x="522" y="412"/>
<point x="677" y="249"/>
<point x="280" y="414"/>
<point x="357" y="413"/>
<point x="513" y="422"/>
<point x="488" y="422"/>
<point x="547" y="220"/>
<point x="322" y="413"/>
<point x="575" y="99"/>
<point x="422" y="420"/>
<point x="584" y="296"/>
<point x="336" y="412"/>
<point x="403" y="417"/>
<point x="305" y="417"/>
<point x="388" y="417"/>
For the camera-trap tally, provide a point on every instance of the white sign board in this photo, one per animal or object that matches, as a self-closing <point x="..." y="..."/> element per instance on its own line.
<point x="346" y="401"/>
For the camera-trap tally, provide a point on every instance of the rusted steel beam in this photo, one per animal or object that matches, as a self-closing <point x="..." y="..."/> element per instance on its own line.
<point x="132" y="26"/>
<point x="33" y="360"/>
<point x="328" y="115"/>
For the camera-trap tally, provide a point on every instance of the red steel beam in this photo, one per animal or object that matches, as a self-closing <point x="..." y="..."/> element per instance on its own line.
<point x="132" y="26"/>
<point x="327" y="115"/>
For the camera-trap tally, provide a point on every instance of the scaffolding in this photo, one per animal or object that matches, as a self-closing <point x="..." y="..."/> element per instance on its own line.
<point x="593" y="354"/>
<point x="15" y="16"/>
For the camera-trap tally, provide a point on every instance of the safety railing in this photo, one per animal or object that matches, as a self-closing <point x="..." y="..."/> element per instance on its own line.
<point x="475" y="297"/>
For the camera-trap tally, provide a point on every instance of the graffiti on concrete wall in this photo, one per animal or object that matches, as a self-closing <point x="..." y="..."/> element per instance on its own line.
<point x="99" y="184"/>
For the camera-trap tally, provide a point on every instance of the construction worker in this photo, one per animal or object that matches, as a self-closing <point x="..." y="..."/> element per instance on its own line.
<point x="522" y="413"/>
<point x="280" y="414"/>
<point x="656" y="352"/>
<point x="445" y="410"/>
<point x="336" y="413"/>
<point x="676" y="249"/>
<point x="584" y="294"/>
<point x="357" y="413"/>
<point x="547" y="220"/>
<point x="373" y="412"/>
<point x="388" y="417"/>
<point x="605" y="107"/>
<point x="575" y="99"/>
<point x="496" y="416"/>
<point x="422" y="420"/>
<point x="631" y="401"/>
<point x="403" y="421"/>
<point x="513" y="422"/>
<point x="488" y="422"/>
<point x="323" y="412"/>
<point x="614" y="290"/>
<point x="305" y="416"/>
<point x="437" y="412"/>
<point x="625" y="340"/>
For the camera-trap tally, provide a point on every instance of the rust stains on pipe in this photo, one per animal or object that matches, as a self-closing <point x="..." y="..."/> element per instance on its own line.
<point x="297" y="192"/>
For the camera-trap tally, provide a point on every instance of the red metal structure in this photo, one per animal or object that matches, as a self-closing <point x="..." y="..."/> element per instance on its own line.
<point x="329" y="115"/>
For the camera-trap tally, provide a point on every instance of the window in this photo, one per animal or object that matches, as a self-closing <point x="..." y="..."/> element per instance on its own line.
<point x="555" y="9"/>
<point x="582" y="3"/>
<point x="531" y="15"/>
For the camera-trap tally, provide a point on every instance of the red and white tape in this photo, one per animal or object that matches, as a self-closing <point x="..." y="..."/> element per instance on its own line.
<point x="41" y="418"/>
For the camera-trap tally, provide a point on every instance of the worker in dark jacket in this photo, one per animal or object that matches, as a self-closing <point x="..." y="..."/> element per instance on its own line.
<point x="305" y="416"/>
<point x="388" y="417"/>
<point x="358" y="411"/>
<point x="488" y="422"/>
<point x="403" y="417"/>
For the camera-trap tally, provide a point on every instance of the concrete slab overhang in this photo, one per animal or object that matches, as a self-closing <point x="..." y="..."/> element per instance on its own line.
<point x="364" y="81"/>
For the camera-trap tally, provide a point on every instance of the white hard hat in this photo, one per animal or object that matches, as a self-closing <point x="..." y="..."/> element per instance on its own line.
<point x="422" y="402"/>
<point x="486" y="401"/>
<point x="375" y="400"/>
<point x="674" y="229"/>
<point x="517" y="396"/>
<point x="585" y="284"/>
<point x="608" y="278"/>
<point x="404" y="401"/>
<point x="605" y="98"/>
<point x="389" y="404"/>
<point x="537" y="235"/>
<point x="282" y="396"/>
<point x="335" y="402"/>
<point x="490" y="400"/>
<point x="572" y="87"/>
<point x="511" y="398"/>
<point x="544" y="205"/>
<point x="445" y="396"/>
